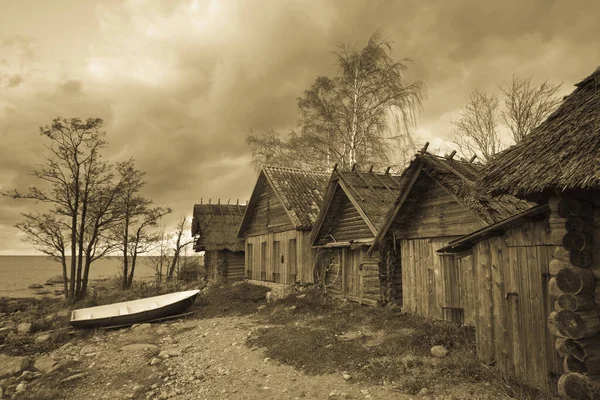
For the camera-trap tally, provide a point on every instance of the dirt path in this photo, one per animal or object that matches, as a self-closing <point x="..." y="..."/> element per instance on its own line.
<point x="200" y="359"/>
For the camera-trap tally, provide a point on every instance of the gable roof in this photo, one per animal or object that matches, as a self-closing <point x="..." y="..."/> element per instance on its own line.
<point x="563" y="152"/>
<point x="372" y="195"/>
<point x="216" y="226"/>
<point x="459" y="179"/>
<point x="300" y="192"/>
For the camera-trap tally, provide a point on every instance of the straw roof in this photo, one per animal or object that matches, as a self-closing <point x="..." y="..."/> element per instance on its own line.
<point x="459" y="178"/>
<point x="300" y="192"/>
<point x="216" y="226"/>
<point x="561" y="153"/>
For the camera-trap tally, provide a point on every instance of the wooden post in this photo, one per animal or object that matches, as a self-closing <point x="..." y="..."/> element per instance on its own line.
<point x="575" y="322"/>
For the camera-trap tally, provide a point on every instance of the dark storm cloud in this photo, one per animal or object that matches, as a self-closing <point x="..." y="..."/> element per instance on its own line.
<point x="180" y="84"/>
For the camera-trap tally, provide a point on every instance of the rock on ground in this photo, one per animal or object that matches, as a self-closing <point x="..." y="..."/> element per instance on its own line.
<point x="24" y="327"/>
<point x="45" y="364"/>
<point x="10" y="365"/>
<point x="439" y="351"/>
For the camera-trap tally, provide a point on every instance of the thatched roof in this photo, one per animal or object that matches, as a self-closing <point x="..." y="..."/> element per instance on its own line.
<point x="561" y="153"/>
<point x="300" y="192"/>
<point x="216" y="226"/>
<point x="459" y="178"/>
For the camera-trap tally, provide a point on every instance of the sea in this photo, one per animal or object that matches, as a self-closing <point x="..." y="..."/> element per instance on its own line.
<point x="18" y="272"/>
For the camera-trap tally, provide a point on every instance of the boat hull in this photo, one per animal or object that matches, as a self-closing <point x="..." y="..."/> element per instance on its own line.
<point x="174" y="308"/>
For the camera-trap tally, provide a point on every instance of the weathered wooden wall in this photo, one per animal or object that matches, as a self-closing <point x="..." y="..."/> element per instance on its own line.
<point x="422" y="277"/>
<point x="358" y="276"/>
<point x="431" y="212"/>
<point x="210" y="264"/>
<point x="343" y="222"/>
<point x="268" y="215"/>
<point x="234" y="265"/>
<point x="283" y="257"/>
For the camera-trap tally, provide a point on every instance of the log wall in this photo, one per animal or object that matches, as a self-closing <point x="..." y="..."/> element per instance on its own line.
<point x="268" y="215"/>
<point x="343" y="222"/>
<point x="234" y="266"/>
<point x="359" y="278"/>
<point x="281" y="257"/>
<point x="575" y="267"/>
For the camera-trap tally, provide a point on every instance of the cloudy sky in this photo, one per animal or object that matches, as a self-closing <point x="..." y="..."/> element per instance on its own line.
<point x="180" y="83"/>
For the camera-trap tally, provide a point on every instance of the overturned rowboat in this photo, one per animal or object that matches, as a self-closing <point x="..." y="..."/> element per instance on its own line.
<point x="134" y="311"/>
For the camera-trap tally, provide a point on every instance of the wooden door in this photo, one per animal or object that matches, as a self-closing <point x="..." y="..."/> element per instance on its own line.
<point x="352" y="281"/>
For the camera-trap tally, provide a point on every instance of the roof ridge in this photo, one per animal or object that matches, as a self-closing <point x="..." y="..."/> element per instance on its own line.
<point x="276" y="167"/>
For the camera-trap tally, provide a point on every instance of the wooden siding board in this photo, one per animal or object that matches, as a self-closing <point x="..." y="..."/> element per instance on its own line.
<point x="525" y="311"/>
<point x="486" y="302"/>
<point x="502" y="345"/>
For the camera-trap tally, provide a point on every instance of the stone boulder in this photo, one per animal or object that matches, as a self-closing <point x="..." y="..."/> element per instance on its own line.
<point x="439" y="351"/>
<point x="57" y="279"/>
<point x="35" y="286"/>
<point x="24" y="327"/>
<point x="12" y="365"/>
<point x="46" y="364"/>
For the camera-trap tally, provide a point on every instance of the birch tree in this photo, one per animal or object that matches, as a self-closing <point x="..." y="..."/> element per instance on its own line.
<point x="345" y="119"/>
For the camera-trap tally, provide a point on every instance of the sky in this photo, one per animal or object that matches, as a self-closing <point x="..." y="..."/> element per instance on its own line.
<point x="179" y="84"/>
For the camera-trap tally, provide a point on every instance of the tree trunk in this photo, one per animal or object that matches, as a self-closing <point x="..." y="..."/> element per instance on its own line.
<point x="577" y="325"/>
<point x="574" y="386"/>
<point x="581" y="259"/>
<point x="580" y="241"/>
<point x="571" y="207"/>
<point x="578" y="224"/>
<point x="575" y="280"/>
<point x="569" y="301"/>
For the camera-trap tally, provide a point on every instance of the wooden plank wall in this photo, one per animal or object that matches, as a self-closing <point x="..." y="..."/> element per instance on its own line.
<point x="512" y="302"/>
<point x="300" y="269"/>
<point x="501" y="286"/>
<point x="423" y="278"/>
<point x="234" y="261"/>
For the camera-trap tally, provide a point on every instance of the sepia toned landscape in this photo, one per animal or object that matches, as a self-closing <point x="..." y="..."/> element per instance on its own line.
<point x="299" y="199"/>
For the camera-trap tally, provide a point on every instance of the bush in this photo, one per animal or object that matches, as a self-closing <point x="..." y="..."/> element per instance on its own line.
<point x="191" y="270"/>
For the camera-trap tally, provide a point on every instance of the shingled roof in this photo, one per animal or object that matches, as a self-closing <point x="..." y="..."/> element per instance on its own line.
<point x="216" y="226"/>
<point x="372" y="194"/>
<point x="561" y="153"/>
<point x="459" y="178"/>
<point x="300" y="192"/>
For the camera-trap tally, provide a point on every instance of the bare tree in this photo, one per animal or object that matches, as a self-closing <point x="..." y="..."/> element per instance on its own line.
<point x="81" y="190"/>
<point x="527" y="105"/>
<point x="132" y="232"/>
<point x="160" y="261"/>
<point x="178" y="245"/>
<point x="477" y="128"/>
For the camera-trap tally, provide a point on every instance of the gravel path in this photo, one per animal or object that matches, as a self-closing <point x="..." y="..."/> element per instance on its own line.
<point x="195" y="359"/>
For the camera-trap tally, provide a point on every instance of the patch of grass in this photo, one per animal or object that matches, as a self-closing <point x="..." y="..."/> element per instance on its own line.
<point x="229" y="300"/>
<point x="319" y="335"/>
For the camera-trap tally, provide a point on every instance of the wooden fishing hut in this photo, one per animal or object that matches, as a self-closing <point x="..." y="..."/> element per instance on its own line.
<point x="276" y="225"/>
<point x="214" y="228"/>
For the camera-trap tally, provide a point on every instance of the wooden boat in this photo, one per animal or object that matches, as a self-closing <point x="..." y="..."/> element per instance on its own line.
<point x="134" y="311"/>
